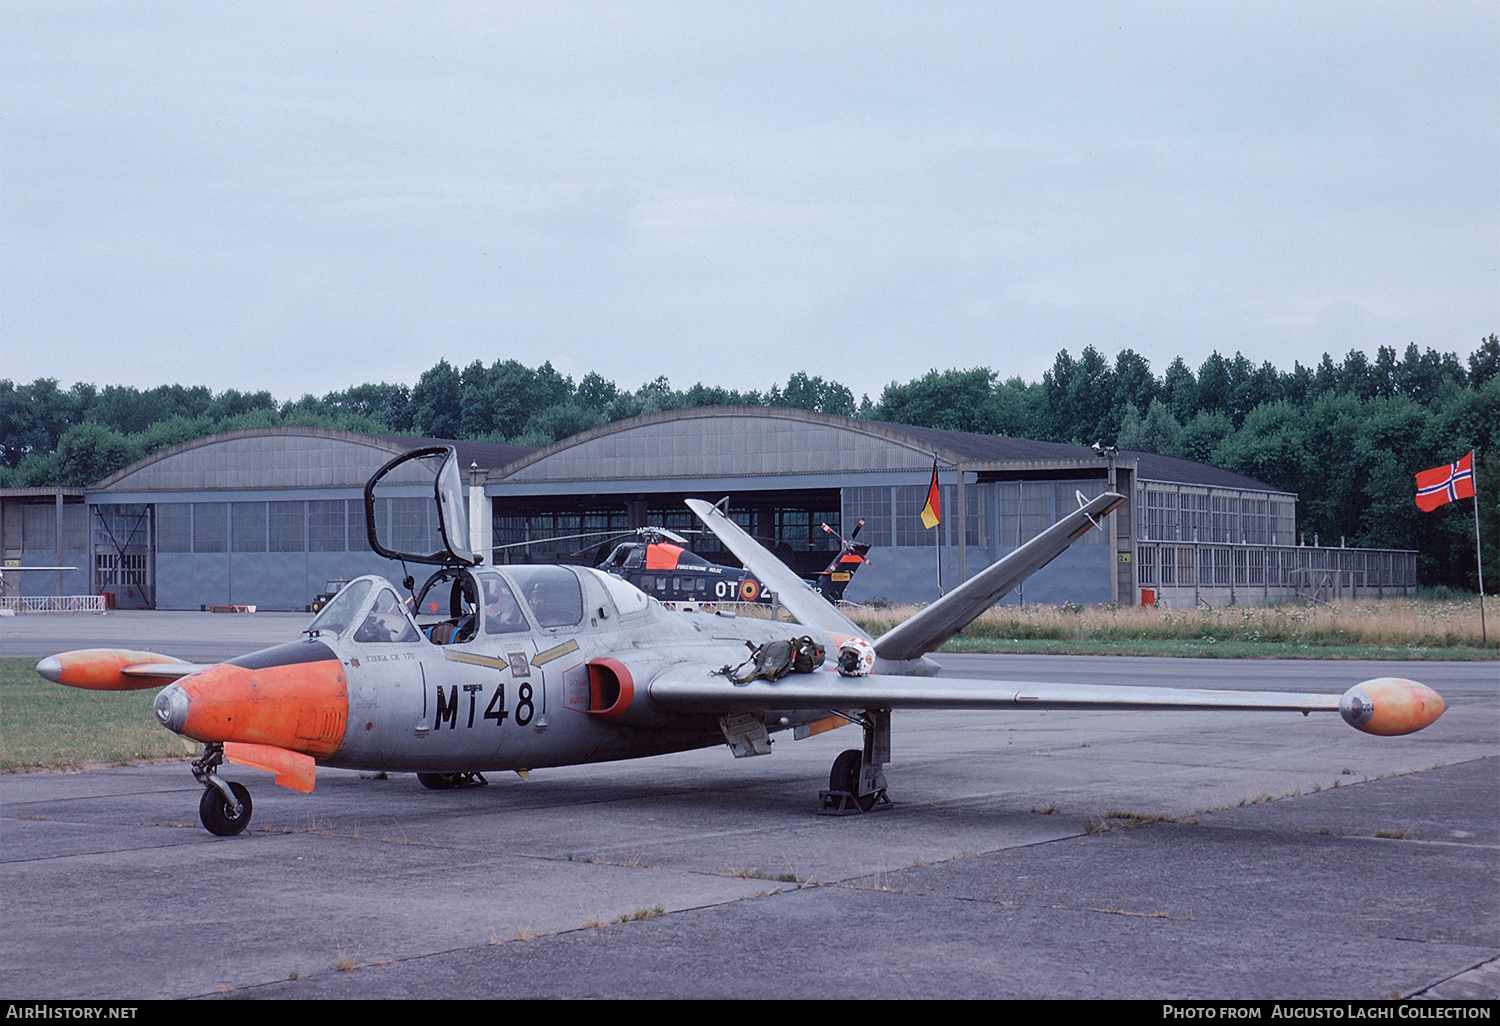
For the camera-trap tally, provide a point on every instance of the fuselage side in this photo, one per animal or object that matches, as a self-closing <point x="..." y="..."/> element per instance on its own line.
<point x="514" y="668"/>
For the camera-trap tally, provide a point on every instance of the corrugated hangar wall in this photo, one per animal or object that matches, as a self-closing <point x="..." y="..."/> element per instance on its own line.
<point x="786" y="472"/>
<point x="265" y="517"/>
<point x="261" y="517"/>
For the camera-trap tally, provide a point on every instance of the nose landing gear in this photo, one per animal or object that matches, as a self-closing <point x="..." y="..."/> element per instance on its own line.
<point x="225" y="806"/>
<point x="223" y="817"/>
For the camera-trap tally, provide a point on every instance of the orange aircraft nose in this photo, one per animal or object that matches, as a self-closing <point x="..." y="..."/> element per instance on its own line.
<point x="291" y="696"/>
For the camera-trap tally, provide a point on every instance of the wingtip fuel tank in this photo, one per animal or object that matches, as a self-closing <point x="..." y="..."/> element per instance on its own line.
<point x="111" y="669"/>
<point x="1390" y="706"/>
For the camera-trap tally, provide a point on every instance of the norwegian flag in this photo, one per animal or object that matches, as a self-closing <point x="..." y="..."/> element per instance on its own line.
<point x="1444" y="484"/>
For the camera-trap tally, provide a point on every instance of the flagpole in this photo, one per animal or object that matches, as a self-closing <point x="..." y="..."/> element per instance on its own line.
<point x="938" y="533"/>
<point x="1442" y="485"/>
<point x="933" y="517"/>
<point x="1484" y="638"/>
<point x="939" y="536"/>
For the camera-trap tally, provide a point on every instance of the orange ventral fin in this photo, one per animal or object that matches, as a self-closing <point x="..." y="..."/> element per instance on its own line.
<point x="293" y="770"/>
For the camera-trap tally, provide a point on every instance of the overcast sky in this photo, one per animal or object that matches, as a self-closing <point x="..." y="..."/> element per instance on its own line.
<point x="304" y="196"/>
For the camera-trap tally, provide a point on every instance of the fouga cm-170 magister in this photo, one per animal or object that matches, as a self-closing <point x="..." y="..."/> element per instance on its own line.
<point x="520" y="667"/>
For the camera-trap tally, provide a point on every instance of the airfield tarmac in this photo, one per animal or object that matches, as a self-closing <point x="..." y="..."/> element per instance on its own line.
<point x="1292" y="858"/>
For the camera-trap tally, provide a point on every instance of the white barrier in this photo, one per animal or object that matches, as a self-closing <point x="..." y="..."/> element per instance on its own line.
<point x="52" y="603"/>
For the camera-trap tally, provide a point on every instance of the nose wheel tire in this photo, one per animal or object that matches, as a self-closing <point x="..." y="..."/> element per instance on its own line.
<point x="220" y="817"/>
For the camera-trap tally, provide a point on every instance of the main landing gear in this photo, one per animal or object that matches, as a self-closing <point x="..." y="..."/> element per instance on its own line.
<point x="225" y="805"/>
<point x="446" y="781"/>
<point x="857" y="782"/>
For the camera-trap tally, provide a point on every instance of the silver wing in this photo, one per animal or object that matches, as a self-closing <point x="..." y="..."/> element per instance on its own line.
<point x="1386" y="705"/>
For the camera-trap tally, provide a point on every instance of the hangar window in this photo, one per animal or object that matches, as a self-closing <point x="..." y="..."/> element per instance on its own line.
<point x="174" y="527"/>
<point x="325" y="525"/>
<point x="38" y="528"/>
<point x="413" y="525"/>
<point x="210" y="527"/>
<point x="1185" y="563"/>
<point x="248" y="526"/>
<point x="873" y="505"/>
<point x="287" y="522"/>
<point x="358" y="532"/>
<point x="556" y="534"/>
<point x="1145" y="564"/>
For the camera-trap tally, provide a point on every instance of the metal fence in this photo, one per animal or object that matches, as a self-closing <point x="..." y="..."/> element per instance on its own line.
<point x="1219" y="575"/>
<point x="53" y="603"/>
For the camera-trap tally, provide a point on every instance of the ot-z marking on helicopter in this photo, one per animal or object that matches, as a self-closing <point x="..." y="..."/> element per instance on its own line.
<point x="373" y="686"/>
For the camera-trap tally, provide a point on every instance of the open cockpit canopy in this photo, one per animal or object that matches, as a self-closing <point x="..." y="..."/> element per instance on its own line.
<point x="414" y="509"/>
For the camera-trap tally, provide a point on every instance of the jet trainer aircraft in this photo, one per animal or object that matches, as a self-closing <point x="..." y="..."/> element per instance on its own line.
<point x="522" y="667"/>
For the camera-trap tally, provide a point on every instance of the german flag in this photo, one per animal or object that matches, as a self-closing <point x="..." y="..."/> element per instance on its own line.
<point x="932" y="514"/>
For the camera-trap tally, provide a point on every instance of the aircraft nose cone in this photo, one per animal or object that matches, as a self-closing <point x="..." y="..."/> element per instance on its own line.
<point x="50" y="668"/>
<point x="171" y="708"/>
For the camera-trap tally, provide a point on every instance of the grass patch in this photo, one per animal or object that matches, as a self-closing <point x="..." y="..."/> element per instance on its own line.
<point x="641" y="914"/>
<point x="46" y="726"/>
<point x="754" y="873"/>
<point x="1118" y="818"/>
<point x="1394" y="628"/>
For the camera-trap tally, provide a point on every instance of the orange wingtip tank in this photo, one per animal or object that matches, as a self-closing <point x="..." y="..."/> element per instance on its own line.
<point x="1390" y="706"/>
<point x="109" y="669"/>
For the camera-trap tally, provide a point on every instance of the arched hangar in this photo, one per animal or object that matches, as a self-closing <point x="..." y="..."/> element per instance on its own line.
<point x="267" y="517"/>
<point x="1192" y="533"/>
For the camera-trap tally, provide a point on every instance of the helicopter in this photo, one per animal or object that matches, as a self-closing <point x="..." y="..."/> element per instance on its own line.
<point x="659" y="562"/>
<point x="520" y="667"/>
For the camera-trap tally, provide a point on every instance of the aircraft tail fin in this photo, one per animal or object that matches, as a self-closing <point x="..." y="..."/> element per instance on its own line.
<point x="954" y="611"/>
<point x="934" y="625"/>
<point x="810" y="608"/>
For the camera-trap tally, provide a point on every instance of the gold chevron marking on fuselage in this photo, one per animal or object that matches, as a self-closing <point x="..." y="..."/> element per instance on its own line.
<point x="542" y="658"/>
<point x="477" y="660"/>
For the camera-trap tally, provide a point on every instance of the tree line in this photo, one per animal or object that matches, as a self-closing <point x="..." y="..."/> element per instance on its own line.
<point x="1345" y="436"/>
